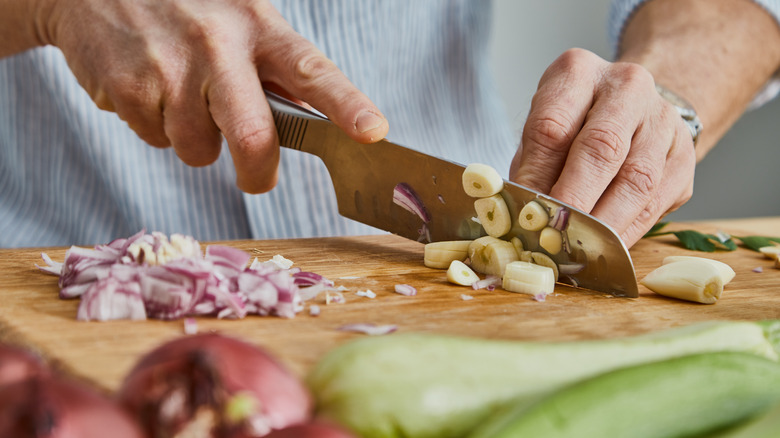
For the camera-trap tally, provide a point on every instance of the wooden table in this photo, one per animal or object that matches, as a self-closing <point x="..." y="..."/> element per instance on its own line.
<point x="103" y="352"/>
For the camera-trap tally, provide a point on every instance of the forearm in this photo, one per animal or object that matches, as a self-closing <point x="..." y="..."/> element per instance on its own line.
<point x="21" y="26"/>
<point x="715" y="53"/>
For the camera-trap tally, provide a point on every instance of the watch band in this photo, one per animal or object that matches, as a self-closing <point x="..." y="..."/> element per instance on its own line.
<point x="685" y="109"/>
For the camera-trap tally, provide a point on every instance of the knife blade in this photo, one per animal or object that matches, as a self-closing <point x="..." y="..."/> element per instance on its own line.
<point x="365" y="177"/>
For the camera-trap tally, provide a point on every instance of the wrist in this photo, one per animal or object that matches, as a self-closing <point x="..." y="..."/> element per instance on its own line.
<point x="685" y="109"/>
<point x="21" y="25"/>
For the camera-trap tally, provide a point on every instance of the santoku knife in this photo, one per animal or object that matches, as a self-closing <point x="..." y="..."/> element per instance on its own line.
<point x="366" y="177"/>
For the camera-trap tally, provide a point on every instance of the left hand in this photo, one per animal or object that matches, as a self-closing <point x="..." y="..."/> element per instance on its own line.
<point x="600" y="138"/>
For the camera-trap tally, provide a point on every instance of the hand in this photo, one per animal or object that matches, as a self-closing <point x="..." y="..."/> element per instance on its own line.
<point x="600" y="138"/>
<point x="184" y="73"/>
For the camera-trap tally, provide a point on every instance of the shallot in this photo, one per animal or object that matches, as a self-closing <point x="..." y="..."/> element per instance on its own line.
<point x="53" y="407"/>
<point x="17" y="364"/>
<point x="213" y="385"/>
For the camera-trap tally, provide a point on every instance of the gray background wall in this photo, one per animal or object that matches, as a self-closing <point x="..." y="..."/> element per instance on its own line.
<point x="739" y="178"/>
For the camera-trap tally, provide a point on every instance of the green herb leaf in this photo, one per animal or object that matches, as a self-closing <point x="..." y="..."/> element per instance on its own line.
<point x="756" y="242"/>
<point x="695" y="240"/>
<point x="656" y="228"/>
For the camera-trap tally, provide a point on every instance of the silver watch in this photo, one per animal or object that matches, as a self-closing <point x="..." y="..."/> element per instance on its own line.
<point x="685" y="109"/>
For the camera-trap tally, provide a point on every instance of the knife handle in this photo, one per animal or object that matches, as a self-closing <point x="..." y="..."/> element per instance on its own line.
<point x="293" y="121"/>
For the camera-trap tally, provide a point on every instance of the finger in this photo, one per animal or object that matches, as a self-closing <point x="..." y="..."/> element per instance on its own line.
<point x="672" y="188"/>
<point x="306" y="73"/>
<point x="238" y="106"/>
<point x="190" y="127"/>
<point x="139" y="106"/>
<point x="638" y="181"/>
<point x="601" y="147"/>
<point x="557" y="112"/>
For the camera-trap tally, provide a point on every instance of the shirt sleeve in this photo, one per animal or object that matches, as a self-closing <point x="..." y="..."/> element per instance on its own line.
<point x="621" y="11"/>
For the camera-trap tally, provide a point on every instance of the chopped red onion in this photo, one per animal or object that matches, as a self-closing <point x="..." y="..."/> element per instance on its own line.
<point x="465" y="297"/>
<point x="490" y="283"/>
<point x="334" y="297"/>
<point x="369" y="329"/>
<point x="190" y="326"/>
<point x="570" y="268"/>
<point x="424" y="234"/>
<point x="560" y="218"/>
<point x="368" y="293"/>
<point x="405" y="289"/>
<point x="540" y="297"/>
<point x="758" y="270"/>
<point x="406" y="197"/>
<point x="314" y="310"/>
<point x="149" y="276"/>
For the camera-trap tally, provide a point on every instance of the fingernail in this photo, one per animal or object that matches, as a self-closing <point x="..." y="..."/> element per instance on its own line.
<point x="367" y="121"/>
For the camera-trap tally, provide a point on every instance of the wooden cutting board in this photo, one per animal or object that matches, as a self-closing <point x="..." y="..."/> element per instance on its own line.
<point x="103" y="352"/>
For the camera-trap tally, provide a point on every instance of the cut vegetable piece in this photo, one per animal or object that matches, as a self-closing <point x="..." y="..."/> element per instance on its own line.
<point x="694" y="395"/>
<point x="559" y="218"/>
<point x="542" y="259"/>
<point x="528" y="278"/>
<point x="533" y="217"/>
<point x="405" y="196"/>
<point x="771" y="252"/>
<point x="490" y="255"/>
<point x="405" y="289"/>
<point x="726" y="273"/>
<point x="481" y="180"/>
<point x="527" y="256"/>
<point x="518" y="244"/>
<point x="687" y="280"/>
<point x="432" y="385"/>
<point x="460" y="273"/>
<point x="439" y="255"/>
<point x="551" y="240"/>
<point x="494" y="215"/>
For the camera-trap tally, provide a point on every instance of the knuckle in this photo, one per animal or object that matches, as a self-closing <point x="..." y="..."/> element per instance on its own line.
<point x="640" y="177"/>
<point x="572" y="58"/>
<point x="603" y="144"/>
<point x="135" y="92"/>
<point x="251" y="135"/>
<point x="553" y="131"/>
<point x="311" y="65"/>
<point x="633" y="76"/>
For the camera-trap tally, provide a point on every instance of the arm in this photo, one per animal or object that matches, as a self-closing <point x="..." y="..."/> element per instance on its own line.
<point x="598" y="135"/>
<point x="185" y="74"/>
<point x="716" y="53"/>
<point x="19" y="26"/>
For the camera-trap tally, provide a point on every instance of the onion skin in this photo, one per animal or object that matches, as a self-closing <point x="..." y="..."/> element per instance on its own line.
<point x="19" y="364"/>
<point x="45" y="406"/>
<point x="203" y="373"/>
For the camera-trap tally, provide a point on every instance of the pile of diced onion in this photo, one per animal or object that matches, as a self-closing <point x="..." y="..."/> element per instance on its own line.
<point x="151" y="276"/>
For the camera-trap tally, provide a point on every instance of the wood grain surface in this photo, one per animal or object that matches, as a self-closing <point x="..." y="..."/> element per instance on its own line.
<point x="103" y="352"/>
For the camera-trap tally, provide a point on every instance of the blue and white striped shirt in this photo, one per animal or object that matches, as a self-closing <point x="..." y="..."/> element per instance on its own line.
<point x="73" y="174"/>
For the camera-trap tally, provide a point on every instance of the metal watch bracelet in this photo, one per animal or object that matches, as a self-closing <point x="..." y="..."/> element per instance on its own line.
<point x="685" y="109"/>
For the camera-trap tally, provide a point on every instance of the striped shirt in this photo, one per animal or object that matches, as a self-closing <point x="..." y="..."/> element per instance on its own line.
<point x="73" y="174"/>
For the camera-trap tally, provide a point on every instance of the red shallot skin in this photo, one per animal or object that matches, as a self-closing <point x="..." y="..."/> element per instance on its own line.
<point x="46" y="406"/>
<point x="312" y="430"/>
<point x="18" y="364"/>
<point x="170" y="384"/>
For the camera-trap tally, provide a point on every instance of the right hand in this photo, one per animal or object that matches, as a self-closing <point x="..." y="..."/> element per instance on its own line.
<point x="184" y="73"/>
